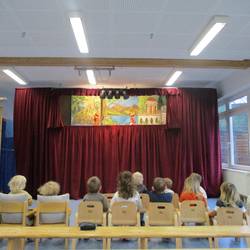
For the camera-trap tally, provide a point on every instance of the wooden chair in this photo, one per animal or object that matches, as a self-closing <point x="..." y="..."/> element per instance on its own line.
<point x="123" y="213"/>
<point x="19" y="211"/>
<point x="162" y="214"/>
<point x="145" y="202"/>
<point x="228" y="216"/>
<point x="194" y="212"/>
<point x="52" y="214"/>
<point x="90" y="211"/>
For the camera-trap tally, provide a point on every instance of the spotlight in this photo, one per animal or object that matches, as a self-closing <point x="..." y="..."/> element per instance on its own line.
<point x="110" y="94"/>
<point x="117" y="94"/>
<point x="103" y="94"/>
<point x="125" y="94"/>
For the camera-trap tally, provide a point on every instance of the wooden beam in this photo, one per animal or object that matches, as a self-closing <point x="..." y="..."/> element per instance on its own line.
<point x="124" y="62"/>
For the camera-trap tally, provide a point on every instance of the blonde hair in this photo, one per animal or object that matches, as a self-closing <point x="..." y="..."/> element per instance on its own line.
<point x="196" y="177"/>
<point x="138" y="178"/>
<point x="169" y="183"/>
<point x="49" y="188"/>
<point x="17" y="183"/>
<point x="191" y="185"/>
<point x="229" y="194"/>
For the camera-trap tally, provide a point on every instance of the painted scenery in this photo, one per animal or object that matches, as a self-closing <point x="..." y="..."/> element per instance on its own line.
<point x="137" y="110"/>
<point x="86" y="110"/>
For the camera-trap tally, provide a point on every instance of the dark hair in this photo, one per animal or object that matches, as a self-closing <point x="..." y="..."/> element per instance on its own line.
<point x="93" y="184"/>
<point x="159" y="185"/>
<point x="125" y="185"/>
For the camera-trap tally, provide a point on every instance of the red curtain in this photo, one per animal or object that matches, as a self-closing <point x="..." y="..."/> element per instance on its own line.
<point x="47" y="150"/>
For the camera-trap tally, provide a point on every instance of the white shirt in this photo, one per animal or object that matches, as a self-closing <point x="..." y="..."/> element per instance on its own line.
<point x="202" y="190"/>
<point x="136" y="199"/>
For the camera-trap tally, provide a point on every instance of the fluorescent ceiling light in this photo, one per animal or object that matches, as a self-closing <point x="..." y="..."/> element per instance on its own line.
<point x="173" y="78"/>
<point x="213" y="28"/>
<point x="14" y="76"/>
<point x="91" y="77"/>
<point x="78" y="30"/>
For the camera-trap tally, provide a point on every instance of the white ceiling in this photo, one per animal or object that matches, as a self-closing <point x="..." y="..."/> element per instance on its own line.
<point x="121" y="28"/>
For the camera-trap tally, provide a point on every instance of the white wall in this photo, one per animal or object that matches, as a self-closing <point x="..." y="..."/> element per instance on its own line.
<point x="237" y="82"/>
<point x="241" y="179"/>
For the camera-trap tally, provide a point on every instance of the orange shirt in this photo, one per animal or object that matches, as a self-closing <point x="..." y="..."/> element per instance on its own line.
<point x="189" y="196"/>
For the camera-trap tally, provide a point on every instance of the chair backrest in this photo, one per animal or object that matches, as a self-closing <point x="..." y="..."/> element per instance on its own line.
<point x="90" y="211"/>
<point x="109" y="196"/>
<point x="13" y="208"/>
<point x="193" y="211"/>
<point x="145" y="201"/>
<point x="13" y="212"/>
<point x="176" y="201"/>
<point x="52" y="212"/>
<point x="161" y="214"/>
<point x="229" y="216"/>
<point x="124" y="213"/>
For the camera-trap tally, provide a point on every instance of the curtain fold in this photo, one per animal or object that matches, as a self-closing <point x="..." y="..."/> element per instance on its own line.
<point x="47" y="150"/>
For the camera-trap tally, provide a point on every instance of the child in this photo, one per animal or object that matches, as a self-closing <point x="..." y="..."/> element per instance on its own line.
<point x="229" y="197"/>
<point x="198" y="178"/>
<point x="126" y="190"/>
<point x="17" y="185"/>
<point x="158" y="194"/>
<point x="94" y="187"/>
<point x="138" y="180"/>
<point x="191" y="191"/>
<point x="49" y="188"/>
<point x="169" y="184"/>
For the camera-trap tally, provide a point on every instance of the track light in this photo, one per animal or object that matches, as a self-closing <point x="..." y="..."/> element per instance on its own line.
<point x="110" y="94"/>
<point x="117" y="93"/>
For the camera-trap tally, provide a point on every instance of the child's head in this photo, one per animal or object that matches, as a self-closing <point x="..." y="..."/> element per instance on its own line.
<point x="196" y="177"/>
<point x="49" y="188"/>
<point x="126" y="185"/>
<point x="17" y="183"/>
<point x="168" y="182"/>
<point x="191" y="185"/>
<point x="93" y="185"/>
<point x="229" y="193"/>
<point x="159" y="185"/>
<point x="138" y="178"/>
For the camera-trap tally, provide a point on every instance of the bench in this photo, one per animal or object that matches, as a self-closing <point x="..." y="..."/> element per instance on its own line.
<point x="13" y="234"/>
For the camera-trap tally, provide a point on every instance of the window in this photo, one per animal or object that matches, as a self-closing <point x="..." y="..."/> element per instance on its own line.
<point x="238" y="102"/>
<point x="222" y="108"/>
<point x="224" y="141"/>
<point x="239" y="137"/>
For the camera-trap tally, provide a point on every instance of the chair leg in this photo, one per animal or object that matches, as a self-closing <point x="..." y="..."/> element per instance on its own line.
<point x="108" y="243"/>
<point x="178" y="243"/>
<point x="142" y="243"/>
<point x="216" y="242"/>
<point x="73" y="244"/>
<point x="66" y="244"/>
<point x="22" y="244"/>
<point x="104" y="243"/>
<point x="37" y="244"/>
<point x="211" y="244"/>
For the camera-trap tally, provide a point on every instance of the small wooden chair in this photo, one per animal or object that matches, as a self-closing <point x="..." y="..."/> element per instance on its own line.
<point x="50" y="211"/>
<point x="90" y="211"/>
<point x="12" y="208"/>
<point x="123" y="213"/>
<point x="228" y="216"/>
<point x="194" y="212"/>
<point x="162" y="214"/>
